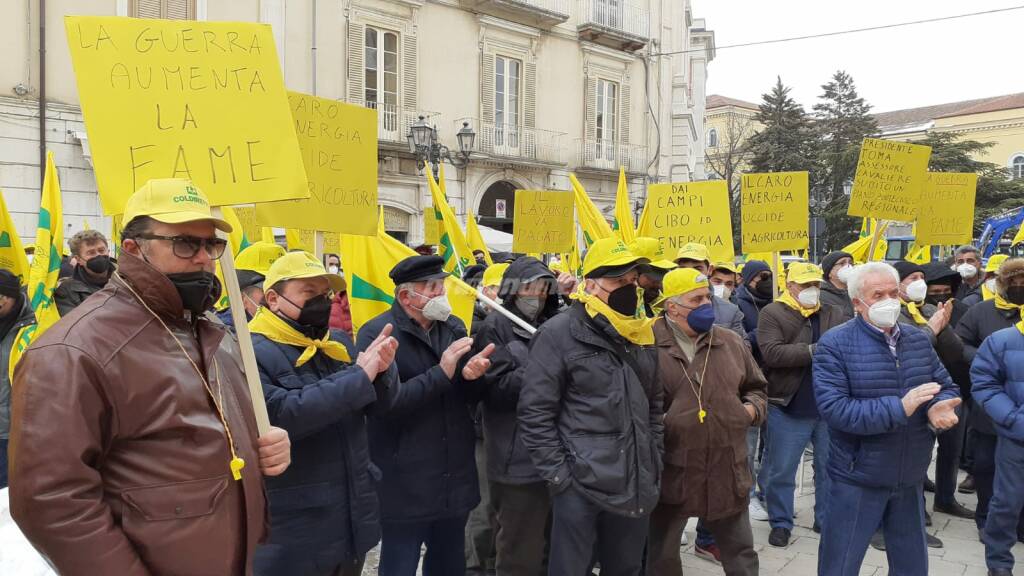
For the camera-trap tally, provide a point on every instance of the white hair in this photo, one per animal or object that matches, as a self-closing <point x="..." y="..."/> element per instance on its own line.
<point x="860" y="275"/>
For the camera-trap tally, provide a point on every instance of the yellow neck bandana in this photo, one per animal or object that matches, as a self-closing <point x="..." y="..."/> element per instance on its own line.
<point x="1004" y="304"/>
<point x="268" y="324"/>
<point x="787" y="299"/>
<point x="915" y="312"/>
<point x="638" y="329"/>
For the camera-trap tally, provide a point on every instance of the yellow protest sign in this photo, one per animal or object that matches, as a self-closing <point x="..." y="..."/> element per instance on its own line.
<point x="339" y="151"/>
<point x="690" y="212"/>
<point x="947" y="209"/>
<point x="543" y="221"/>
<point x="774" y="209"/>
<point x="247" y="218"/>
<point x="186" y="99"/>
<point x="889" y="180"/>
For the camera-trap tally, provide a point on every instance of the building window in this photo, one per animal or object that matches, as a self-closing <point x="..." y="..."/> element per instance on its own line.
<point x="1017" y="167"/>
<point x="507" y="82"/>
<point x="712" y="138"/>
<point x="170" y="9"/>
<point x="380" y="78"/>
<point x="607" y="118"/>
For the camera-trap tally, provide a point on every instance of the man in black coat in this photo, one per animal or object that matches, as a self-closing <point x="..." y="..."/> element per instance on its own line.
<point x="590" y="415"/>
<point x="92" y="268"/>
<point x="980" y="322"/>
<point x="519" y="496"/>
<point x="324" y="515"/>
<point x="423" y="443"/>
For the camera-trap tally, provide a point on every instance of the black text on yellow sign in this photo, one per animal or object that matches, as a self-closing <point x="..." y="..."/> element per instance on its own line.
<point x="543" y="221"/>
<point x="685" y="212"/>
<point x="889" y="180"/>
<point x="774" y="211"/>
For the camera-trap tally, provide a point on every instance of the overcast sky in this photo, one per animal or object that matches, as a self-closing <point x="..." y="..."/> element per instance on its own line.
<point x="904" y="67"/>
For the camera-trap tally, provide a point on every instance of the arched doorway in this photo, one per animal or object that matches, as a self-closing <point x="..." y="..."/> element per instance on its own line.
<point x="497" y="206"/>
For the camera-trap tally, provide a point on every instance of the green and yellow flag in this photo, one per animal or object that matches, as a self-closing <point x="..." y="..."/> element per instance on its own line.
<point x="45" y="269"/>
<point x="593" y="224"/>
<point x="12" y="254"/>
<point x="623" y="224"/>
<point x="369" y="259"/>
<point x="238" y="242"/>
<point x="452" y="244"/>
<point x="475" y="239"/>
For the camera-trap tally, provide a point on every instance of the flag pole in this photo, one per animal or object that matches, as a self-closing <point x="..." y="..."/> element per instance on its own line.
<point x="252" y="378"/>
<point x="880" y="226"/>
<point x="504" y="312"/>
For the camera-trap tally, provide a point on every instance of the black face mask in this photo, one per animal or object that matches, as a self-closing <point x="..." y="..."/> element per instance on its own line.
<point x="198" y="290"/>
<point x="1015" y="294"/>
<point x="100" y="265"/>
<point x="314" y="315"/>
<point x="935" y="300"/>
<point x="763" y="289"/>
<point x="623" y="300"/>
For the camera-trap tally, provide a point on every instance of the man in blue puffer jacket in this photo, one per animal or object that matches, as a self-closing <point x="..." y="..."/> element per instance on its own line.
<point x="997" y="378"/>
<point x="871" y="376"/>
<point x="324" y="513"/>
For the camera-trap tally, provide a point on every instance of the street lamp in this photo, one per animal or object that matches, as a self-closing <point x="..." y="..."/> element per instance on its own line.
<point x="422" y="140"/>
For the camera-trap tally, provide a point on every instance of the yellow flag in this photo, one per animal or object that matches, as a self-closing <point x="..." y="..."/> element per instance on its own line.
<point x="475" y="239"/>
<point x="452" y="245"/>
<point x="623" y="225"/>
<point x="12" y="254"/>
<point x="300" y="240"/>
<point x="369" y="259"/>
<point x="42" y="277"/>
<point x="1019" y="237"/>
<point x="593" y="224"/>
<point x="267" y="235"/>
<point x="859" y="248"/>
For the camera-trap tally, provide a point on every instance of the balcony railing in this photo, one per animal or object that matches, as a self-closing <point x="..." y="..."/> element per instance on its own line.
<point x="516" y="142"/>
<point x="393" y="122"/>
<point x="609" y="155"/>
<point x="614" y="22"/>
<point x="542" y="13"/>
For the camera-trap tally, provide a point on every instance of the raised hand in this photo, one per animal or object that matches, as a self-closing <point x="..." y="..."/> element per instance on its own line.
<point x="478" y="365"/>
<point x="379" y="355"/>
<point x="943" y="414"/>
<point x="454" y="353"/>
<point x="940" y="319"/>
<point x="919" y="395"/>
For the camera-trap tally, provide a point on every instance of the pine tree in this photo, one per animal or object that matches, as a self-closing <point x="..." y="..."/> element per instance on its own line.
<point x="785" y="142"/>
<point x="842" y="121"/>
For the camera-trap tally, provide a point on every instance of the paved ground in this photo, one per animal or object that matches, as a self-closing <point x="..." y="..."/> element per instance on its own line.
<point x="963" y="554"/>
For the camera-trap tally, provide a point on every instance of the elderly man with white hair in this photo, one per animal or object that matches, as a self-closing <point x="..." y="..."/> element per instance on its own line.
<point x="884" y="393"/>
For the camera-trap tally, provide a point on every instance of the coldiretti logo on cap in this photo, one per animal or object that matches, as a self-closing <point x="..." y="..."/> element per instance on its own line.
<point x="191" y="195"/>
<point x="619" y="248"/>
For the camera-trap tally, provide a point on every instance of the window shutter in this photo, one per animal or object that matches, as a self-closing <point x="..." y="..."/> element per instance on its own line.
<point x="590" y="94"/>
<point x="487" y="88"/>
<point x="624" y="108"/>
<point x="180" y="9"/>
<point x="530" y="95"/>
<point x="486" y="132"/>
<point x="356" y="38"/>
<point x="409" y="69"/>
<point x="145" y="9"/>
<point x="171" y="9"/>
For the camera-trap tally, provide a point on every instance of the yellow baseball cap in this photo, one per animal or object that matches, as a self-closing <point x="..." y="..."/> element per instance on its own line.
<point x="650" y="248"/>
<point x="493" y="275"/>
<point x="171" y="201"/>
<point x="299" y="264"/>
<point x="693" y="251"/>
<point x="259" y="256"/>
<point x="995" y="261"/>
<point x="679" y="282"/>
<point x="803" y="272"/>
<point x="609" y="257"/>
<point x="727" y="266"/>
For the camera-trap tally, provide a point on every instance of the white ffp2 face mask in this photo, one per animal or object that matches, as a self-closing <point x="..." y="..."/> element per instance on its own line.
<point x="917" y="290"/>
<point x="809" y="297"/>
<point x="437" y="308"/>
<point x="721" y="290"/>
<point x="991" y="285"/>
<point x="843" y="274"/>
<point x="884" y="313"/>
<point x="967" y="270"/>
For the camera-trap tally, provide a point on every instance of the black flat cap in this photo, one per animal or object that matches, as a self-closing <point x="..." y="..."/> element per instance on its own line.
<point x="9" y="284"/>
<point x="418" y="269"/>
<point x="248" y="278"/>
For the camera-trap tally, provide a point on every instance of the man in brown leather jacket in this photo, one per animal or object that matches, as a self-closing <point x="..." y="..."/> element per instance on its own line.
<point x="130" y="416"/>
<point x="714" y="392"/>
